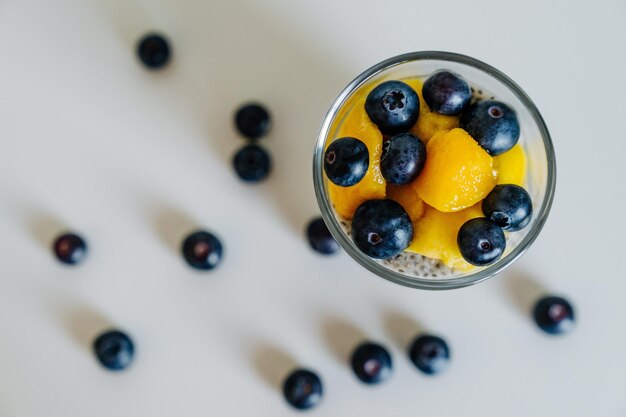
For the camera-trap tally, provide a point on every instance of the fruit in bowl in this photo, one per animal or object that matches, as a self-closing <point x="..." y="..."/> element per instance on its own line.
<point x="426" y="170"/>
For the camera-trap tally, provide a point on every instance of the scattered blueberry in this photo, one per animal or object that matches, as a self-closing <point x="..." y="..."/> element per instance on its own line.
<point x="303" y="389"/>
<point x="252" y="163"/>
<point x="430" y="354"/>
<point x="320" y="238"/>
<point x="346" y="161"/>
<point x="253" y="120"/>
<point x="154" y="51"/>
<point x="202" y="250"/>
<point x="446" y="92"/>
<point x="402" y="159"/>
<point x="509" y="206"/>
<point x="481" y="241"/>
<point x="493" y="125"/>
<point x="371" y="363"/>
<point x="70" y="248"/>
<point x="393" y="106"/>
<point x="554" y="315"/>
<point x="381" y="228"/>
<point x="114" y="349"/>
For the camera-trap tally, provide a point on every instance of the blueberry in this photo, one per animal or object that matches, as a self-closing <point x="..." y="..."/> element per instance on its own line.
<point x="202" y="250"/>
<point x="320" y="238"/>
<point x="303" y="389"/>
<point x="154" y="51"/>
<point x="70" y="248"/>
<point x="430" y="354"/>
<point x="381" y="228"/>
<point x="252" y="163"/>
<point x="393" y="106"/>
<point x="481" y="241"/>
<point x="446" y="92"/>
<point x="554" y="315"/>
<point x="252" y="120"/>
<point x="509" y="206"/>
<point x="114" y="349"/>
<point x="493" y="125"/>
<point x="346" y="161"/>
<point x="403" y="158"/>
<point x="371" y="363"/>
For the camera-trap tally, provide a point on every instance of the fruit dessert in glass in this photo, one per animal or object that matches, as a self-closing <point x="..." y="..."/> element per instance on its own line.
<point x="434" y="170"/>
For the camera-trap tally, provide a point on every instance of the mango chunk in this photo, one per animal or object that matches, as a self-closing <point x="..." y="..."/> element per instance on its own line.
<point x="434" y="235"/>
<point x="358" y="125"/>
<point x="510" y="166"/>
<point x="406" y="196"/>
<point x="458" y="173"/>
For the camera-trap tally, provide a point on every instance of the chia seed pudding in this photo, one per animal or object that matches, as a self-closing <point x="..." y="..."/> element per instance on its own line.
<point x="438" y="195"/>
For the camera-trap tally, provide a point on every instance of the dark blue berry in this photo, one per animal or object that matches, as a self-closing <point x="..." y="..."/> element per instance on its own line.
<point x="252" y="120"/>
<point x="446" y="92"/>
<point x="346" y="161"/>
<point x="371" y="363"/>
<point x="320" y="238"/>
<point x="252" y="163"/>
<point x="202" y="250"/>
<point x="554" y="315"/>
<point x="430" y="354"/>
<point x="509" y="206"/>
<point x="381" y="228"/>
<point x="402" y="159"/>
<point x="303" y="389"/>
<point x="154" y="51"/>
<point x="493" y="125"/>
<point x="393" y="106"/>
<point x="114" y="350"/>
<point x="481" y="241"/>
<point x="70" y="248"/>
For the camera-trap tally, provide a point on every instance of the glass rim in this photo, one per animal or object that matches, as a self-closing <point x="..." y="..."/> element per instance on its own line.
<point x="377" y="268"/>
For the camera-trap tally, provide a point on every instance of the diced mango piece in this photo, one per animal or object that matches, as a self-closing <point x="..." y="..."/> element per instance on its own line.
<point x="406" y="196"/>
<point x="458" y="173"/>
<point x="434" y="235"/>
<point x="510" y="166"/>
<point x="429" y="122"/>
<point x="358" y="125"/>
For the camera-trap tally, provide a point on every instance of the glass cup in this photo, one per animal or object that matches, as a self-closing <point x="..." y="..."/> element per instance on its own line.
<point x="534" y="138"/>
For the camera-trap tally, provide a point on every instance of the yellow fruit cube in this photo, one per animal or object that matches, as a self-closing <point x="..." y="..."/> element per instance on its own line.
<point x="458" y="173"/>
<point x="511" y="166"/>
<point x="406" y="196"/>
<point x="434" y="235"/>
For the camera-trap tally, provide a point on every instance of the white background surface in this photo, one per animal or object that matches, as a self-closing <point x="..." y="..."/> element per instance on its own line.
<point x="133" y="160"/>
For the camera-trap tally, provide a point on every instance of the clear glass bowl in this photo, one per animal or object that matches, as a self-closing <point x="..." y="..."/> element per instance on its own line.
<point x="534" y="138"/>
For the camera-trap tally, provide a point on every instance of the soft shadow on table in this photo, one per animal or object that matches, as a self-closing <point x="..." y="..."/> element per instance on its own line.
<point x="231" y="52"/>
<point x="127" y="16"/>
<point x="272" y="364"/>
<point x="401" y="328"/>
<point x="83" y="323"/>
<point x="341" y="337"/>
<point x="44" y="227"/>
<point x="171" y="225"/>
<point x="523" y="289"/>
